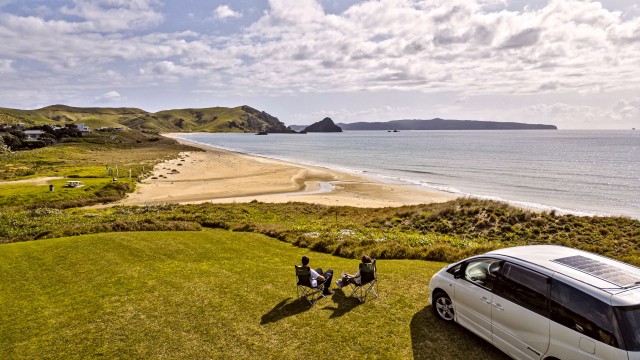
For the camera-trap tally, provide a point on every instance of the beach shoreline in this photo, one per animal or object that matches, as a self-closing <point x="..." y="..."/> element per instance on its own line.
<point x="222" y="176"/>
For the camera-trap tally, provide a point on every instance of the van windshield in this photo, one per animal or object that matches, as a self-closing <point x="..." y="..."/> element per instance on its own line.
<point x="629" y="317"/>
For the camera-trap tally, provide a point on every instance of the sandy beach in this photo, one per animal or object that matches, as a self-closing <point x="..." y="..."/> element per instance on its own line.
<point x="221" y="176"/>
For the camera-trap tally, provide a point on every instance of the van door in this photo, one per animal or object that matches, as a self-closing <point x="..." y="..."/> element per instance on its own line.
<point x="473" y="297"/>
<point x="582" y="326"/>
<point x="520" y="312"/>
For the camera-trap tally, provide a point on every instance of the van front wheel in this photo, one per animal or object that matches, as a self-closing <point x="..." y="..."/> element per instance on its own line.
<point x="442" y="306"/>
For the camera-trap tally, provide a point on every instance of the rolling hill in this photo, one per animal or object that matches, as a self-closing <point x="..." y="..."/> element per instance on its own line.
<point x="215" y="119"/>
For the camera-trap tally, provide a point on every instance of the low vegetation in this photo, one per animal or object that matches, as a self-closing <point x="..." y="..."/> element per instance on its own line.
<point x="438" y="232"/>
<point x="94" y="159"/>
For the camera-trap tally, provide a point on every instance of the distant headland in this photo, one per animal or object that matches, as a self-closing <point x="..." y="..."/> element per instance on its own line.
<point x="241" y="119"/>
<point x="442" y="124"/>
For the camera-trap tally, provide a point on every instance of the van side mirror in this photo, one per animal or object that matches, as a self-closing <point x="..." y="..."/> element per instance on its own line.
<point x="457" y="274"/>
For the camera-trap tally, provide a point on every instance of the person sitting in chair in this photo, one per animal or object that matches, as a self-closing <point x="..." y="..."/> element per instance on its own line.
<point x="318" y="277"/>
<point x="353" y="279"/>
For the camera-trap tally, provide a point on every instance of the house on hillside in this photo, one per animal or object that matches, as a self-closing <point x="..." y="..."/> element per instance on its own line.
<point x="33" y="134"/>
<point x="82" y="127"/>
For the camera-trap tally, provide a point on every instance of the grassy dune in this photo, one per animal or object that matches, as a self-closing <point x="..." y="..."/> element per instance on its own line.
<point x="209" y="294"/>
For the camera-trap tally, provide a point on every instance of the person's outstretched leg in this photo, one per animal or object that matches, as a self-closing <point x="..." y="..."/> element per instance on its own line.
<point x="327" y="283"/>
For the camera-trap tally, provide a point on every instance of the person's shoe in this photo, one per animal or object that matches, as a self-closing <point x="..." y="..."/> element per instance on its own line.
<point x="328" y="292"/>
<point x="339" y="283"/>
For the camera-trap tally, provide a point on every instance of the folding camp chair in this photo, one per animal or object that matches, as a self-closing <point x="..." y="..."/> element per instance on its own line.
<point x="304" y="287"/>
<point x="368" y="282"/>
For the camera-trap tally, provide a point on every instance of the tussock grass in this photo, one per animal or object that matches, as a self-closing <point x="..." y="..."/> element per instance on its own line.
<point x="208" y="294"/>
<point x="414" y="232"/>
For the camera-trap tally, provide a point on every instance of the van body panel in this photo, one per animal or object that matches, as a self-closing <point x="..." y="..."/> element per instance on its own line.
<point x="473" y="308"/>
<point x="627" y="298"/>
<point x="569" y="344"/>
<point x="517" y="331"/>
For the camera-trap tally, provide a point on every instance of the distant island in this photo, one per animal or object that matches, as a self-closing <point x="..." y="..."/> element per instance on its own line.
<point x="442" y="124"/>
<point x="324" y="125"/>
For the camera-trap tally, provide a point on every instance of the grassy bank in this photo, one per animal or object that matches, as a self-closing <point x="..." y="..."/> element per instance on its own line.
<point x="208" y="294"/>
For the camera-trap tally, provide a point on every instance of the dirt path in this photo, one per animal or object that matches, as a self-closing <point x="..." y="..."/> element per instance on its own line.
<point x="36" y="181"/>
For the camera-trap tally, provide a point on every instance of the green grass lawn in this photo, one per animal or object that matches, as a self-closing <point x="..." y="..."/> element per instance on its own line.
<point x="209" y="294"/>
<point x="17" y="194"/>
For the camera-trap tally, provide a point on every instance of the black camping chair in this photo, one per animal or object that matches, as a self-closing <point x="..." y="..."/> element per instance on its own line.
<point x="304" y="287"/>
<point x="368" y="282"/>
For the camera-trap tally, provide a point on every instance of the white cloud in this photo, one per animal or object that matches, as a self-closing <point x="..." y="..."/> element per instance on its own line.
<point x="465" y="47"/>
<point x="387" y="44"/>
<point x="114" y="15"/>
<point x="6" y="67"/>
<point x="283" y="12"/>
<point x="110" y="96"/>
<point x="626" y="109"/>
<point x="169" y="71"/>
<point x="223" y="12"/>
<point x="624" y="114"/>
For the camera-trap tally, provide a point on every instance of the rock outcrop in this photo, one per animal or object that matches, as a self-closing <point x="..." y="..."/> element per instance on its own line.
<point x="324" y="125"/>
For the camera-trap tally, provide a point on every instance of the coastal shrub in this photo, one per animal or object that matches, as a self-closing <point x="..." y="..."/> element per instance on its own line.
<point x="325" y="245"/>
<point x="272" y="231"/>
<point x="45" y="211"/>
<point x="213" y="224"/>
<point x="113" y="190"/>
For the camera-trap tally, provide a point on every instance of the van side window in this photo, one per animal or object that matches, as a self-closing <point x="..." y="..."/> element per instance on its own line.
<point x="482" y="272"/>
<point x="526" y="288"/>
<point x="581" y="312"/>
<point x="629" y="318"/>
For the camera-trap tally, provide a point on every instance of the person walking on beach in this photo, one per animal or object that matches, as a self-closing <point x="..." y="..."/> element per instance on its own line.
<point x="318" y="277"/>
<point x="353" y="279"/>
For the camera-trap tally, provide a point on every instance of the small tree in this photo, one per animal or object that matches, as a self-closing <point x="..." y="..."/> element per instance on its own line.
<point x="4" y="149"/>
<point x="12" y="141"/>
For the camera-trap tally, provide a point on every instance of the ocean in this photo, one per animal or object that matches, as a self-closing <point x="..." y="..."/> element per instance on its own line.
<point x="578" y="172"/>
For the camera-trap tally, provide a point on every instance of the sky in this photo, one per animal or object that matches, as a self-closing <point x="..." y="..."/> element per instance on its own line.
<point x="573" y="64"/>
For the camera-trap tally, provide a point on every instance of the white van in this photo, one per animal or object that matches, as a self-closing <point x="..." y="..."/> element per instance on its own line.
<point x="544" y="302"/>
